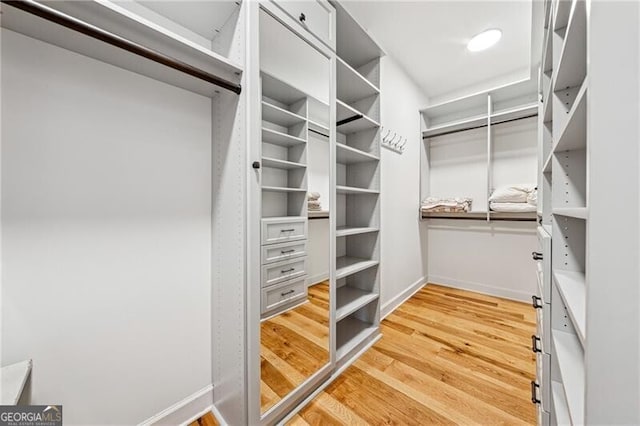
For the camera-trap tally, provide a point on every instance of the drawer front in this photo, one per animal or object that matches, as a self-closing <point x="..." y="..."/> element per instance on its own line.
<point x="543" y="319"/>
<point x="281" y="295"/>
<point x="282" y="271"/>
<point x="544" y="265"/>
<point x="283" y="230"/>
<point x="316" y="16"/>
<point x="285" y="251"/>
<point x="543" y="366"/>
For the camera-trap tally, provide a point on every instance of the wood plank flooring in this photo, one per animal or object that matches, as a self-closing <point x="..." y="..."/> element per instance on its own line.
<point x="206" y="420"/>
<point x="447" y="356"/>
<point x="293" y="346"/>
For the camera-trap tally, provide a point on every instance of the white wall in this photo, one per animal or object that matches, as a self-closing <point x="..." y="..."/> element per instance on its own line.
<point x="403" y="236"/>
<point x="106" y="244"/>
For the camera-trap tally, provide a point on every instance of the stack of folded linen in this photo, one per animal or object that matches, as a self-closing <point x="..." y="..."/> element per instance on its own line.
<point x="313" y="202"/>
<point x="446" y="205"/>
<point x="514" y="199"/>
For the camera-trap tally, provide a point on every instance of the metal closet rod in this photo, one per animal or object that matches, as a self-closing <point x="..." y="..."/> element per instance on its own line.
<point x="478" y="127"/>
<point x="52" y="15"/>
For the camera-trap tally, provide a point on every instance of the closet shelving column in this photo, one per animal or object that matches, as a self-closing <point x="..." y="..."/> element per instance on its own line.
<point x="284" y="195"/>
<point x="357" y="202"/>
<point x="565" y="171"/>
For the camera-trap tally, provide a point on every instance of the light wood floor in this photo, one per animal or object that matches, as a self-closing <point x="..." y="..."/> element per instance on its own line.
<point x="446" y="357"/>
<point x="293" y="346"/>
<point x="206" y="420"/>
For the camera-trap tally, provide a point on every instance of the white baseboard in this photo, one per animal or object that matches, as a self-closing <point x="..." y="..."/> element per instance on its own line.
<point x="391" y="305"/>
<point x="505" y="293"/>
<point x="185" y="411"/>
<point x="318" y="278"/>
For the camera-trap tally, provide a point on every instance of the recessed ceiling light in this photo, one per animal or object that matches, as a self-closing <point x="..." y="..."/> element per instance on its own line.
<point x="484" y="40"/>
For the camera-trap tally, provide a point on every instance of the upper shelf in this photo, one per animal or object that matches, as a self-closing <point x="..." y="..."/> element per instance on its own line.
<point x="350" y="120"/>
<point x="572" y="66"/>
<point x="110" y="33"/>
<point x="352" y="86"/>
<point x="354" y="44"/>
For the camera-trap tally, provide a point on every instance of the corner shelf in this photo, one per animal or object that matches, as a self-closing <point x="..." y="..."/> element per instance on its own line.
<point x="573" y="290"/>
<point x="346" y="265"/>
<point x="343" y="231"/>
<point x="280" y="116"/>
<point x="350" y="299"/>
<point x="349" y="155"/>
<point x="279" y="138"/>
<point x="352" y="86"/>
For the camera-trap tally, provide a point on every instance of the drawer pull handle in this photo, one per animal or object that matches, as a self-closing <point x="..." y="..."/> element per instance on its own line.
<point x="287" y="251"/>
<point x="534" y="396"/>
<point x="287" y="230"/>
<point x="536" y="255"/>
<point x="534" y="344"/>
<point x="302" y="17"/>
<point x="534" y="302"/>
<point x="284" y="271"/>
<point x="287" y="292"/>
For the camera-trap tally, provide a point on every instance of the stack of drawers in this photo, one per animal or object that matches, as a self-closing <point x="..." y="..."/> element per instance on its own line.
<point x="541" y="341"/>
<point x="284" y="264"/>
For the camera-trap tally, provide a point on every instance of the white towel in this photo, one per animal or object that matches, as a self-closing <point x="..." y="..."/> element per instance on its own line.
<point x="512" y="207"/>
<point x="313" y="195"/>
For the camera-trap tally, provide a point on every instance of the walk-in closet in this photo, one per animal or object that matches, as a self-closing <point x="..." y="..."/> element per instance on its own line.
<point x="314" y="212"/>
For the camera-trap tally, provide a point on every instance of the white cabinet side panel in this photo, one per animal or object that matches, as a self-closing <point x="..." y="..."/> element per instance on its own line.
<point x="106" y="183"/>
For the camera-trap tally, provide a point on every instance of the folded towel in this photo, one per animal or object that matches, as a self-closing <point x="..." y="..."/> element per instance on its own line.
<point x="446" y="204"/>
<point x="517" y="193"/>
<point x="313" y="203"/>
<point x="532" y="198"/>
<point x="512" y="207"/>
<point x="313" y="195"/>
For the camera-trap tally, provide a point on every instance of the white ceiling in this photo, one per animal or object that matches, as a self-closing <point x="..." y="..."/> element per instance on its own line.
<point x="429" y="38"/>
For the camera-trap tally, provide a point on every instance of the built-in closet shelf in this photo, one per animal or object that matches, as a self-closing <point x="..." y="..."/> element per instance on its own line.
<point x="574" y="134"/>
<point x="548" y="228"/>
<point x="515" y="216"/>
<point x="522" y="111"/>
<point x="274" y="88"/>
<point x="275" y="114"/>
<point x="350" y="299"/>
<point x="466" y="123"/>
<point x="570" y="357"/>
<point x="547" y="55"/>
<point x="343" y="231"/>
<point x="352" y="86"/>
<point x="572" y="66"/>
<point x="114" y="19"/>
<point x="346" y="265"/>
<point x="560" y="404"/>
<point x="282" y="189"/>
<point x="573" y="290"/>
<point x="354" y="120"/>
<point x="546" y="167"/>
<point x="348" y="155"/>
<point x="281" y="164"/>
<point x="12" y="381"/>
<point x="547" y="107"/>
<point x="351" y="332"/>
<point x="318" y="127"/>
<point x="576" y="212"/>
<point x="561" y="14"/>
<point x="279" y="138"/>
<point x="353" y="190"/>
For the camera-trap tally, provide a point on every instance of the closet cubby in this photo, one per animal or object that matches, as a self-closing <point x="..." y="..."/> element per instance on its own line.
<point x="283" y="203"/>
<point x="367" y="142"/>
<point x="364" y="175"/>
<point x="358" y="210"/>
<point x="356" y="328"/>
<point x="355" y="291"/>
<point x="569" y="189"/>
<point x="356" y="252"/>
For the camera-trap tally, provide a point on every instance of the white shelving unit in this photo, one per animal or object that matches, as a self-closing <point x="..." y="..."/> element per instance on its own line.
<point x="357" y="179"/>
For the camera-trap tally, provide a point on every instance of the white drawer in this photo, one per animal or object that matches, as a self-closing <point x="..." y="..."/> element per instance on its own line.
<point x="543" y="366"/>
<point x="316" y="16"/>
<point x="283" y="230"/>
<point x="282" y="271"/>
<point x="284" y="251"/>
<point x="282" y="295"/>
<point x="543" y="329"/>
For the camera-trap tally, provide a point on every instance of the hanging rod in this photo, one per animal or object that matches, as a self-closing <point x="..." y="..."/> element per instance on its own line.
<point x="449" y="132"/>
<point x="319" y="133"/>
<point x="349" y="119"/>
<point x="74" y="24"/>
